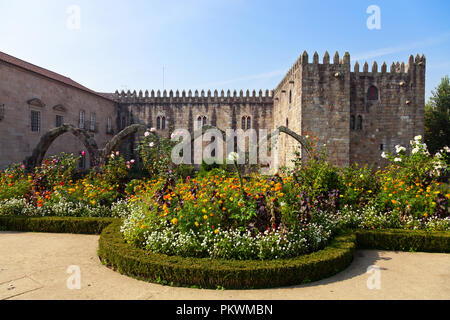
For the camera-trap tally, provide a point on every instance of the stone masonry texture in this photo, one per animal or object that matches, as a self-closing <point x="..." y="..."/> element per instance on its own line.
<point x="357" y="114"/>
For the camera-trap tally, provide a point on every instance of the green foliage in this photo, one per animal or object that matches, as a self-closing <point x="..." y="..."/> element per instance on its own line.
<point x="156" y="153"/>
<point x="14" y="183"/>
<point x="437" y="117"/>
<point x="56" y="224"/>
<point x="56" y="170"/>
<point x="404" y="240"/>
<point x="230" y="274"/>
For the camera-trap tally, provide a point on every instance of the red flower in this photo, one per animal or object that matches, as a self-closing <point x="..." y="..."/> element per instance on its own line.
<point x="61" y="183"/>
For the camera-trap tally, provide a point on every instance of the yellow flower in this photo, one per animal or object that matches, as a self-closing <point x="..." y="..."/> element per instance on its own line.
<point x="205" y="217"/>
<point x="175" y="221"/>
<point x="196" y="224"/>
<point x="216" y="231"/>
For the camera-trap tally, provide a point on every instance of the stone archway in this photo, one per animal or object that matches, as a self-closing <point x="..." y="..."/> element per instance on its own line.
<point x="303" y="142"/>
<point x="117" y="140"/>
<point x="47" y="139"/>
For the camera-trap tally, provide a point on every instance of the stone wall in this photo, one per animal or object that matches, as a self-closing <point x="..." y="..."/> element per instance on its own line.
<point x="22" y="91"/>
<point x="395" y="117"/>
<point x="323" y="100"/>
<point x="182" y="110"/>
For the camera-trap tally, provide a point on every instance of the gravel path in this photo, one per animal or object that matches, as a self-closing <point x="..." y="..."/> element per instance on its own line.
<point x="34" y="266"/>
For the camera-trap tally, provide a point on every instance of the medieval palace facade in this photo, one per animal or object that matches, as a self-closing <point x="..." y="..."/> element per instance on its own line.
<point x="356" y="113"/>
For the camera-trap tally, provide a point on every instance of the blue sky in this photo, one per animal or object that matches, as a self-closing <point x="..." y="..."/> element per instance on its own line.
<point x="216" y="44"/>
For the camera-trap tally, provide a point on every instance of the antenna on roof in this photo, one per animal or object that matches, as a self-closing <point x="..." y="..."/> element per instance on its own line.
<point x="164" y="77"/>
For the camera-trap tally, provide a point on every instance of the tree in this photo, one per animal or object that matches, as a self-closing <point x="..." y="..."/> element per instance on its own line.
<point x="437" y="117"/>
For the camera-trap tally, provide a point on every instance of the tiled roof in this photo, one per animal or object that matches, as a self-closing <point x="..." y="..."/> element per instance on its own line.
<point x="47" y="73"/>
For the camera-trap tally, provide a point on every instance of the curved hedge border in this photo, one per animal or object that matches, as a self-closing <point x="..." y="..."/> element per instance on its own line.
<point x="404" y="240"/>
<point x="230" y="274"/>
<point x="74" y="225"/>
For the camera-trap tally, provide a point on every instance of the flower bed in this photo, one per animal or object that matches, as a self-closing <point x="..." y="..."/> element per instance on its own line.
<point x="220" y="273"/>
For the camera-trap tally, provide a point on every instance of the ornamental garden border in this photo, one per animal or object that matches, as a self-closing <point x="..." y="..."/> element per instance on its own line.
<point x="229" y="274"/>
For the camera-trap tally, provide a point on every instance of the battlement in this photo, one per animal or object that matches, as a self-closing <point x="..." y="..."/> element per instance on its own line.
<point x="194" y="97"/>
<point x="344" y="63"/>
<point x="396" y="68"/>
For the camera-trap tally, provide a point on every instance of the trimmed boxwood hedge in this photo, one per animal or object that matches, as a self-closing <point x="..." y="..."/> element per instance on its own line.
<point x="404" y="240"/>
<point x="55" y="224"/>
<point x="230" y="274"/>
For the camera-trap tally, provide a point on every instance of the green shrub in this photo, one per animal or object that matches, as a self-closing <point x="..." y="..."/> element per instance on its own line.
<point x="55" y="224"/>
<point x="230" y="274"/>
<point x="404" y="240"/>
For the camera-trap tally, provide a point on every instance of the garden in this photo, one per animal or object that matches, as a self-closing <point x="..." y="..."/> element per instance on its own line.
<point x="223" y="226"/>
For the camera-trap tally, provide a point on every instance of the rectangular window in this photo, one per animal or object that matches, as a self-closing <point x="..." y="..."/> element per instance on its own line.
<point x="81" y="124"/>
<point x="2" y="111"/>
<point x="92" y="122"/>
<point x="109" y="126"/>
<point x="59" y="121"/>
<point x="35" y="121"/>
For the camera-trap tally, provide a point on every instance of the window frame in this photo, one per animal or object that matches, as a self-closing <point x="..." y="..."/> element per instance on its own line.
<point x="58" y="116"/>
<point x="38" y="119"/>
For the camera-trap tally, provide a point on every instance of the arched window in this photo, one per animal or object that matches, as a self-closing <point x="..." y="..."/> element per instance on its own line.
<point x="205" y="121"/>
<point x="372" y="93"/>
<point x="359" y="123"/>
<point x="246" y="122"/>
<point x="352" y="122"/>
<point x="199" y="122"/>
<point x="161" y="123"/>
<point x="290" y="96"/>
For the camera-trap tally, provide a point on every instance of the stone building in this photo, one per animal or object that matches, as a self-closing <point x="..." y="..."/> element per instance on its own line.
<point x="356" y="114"/>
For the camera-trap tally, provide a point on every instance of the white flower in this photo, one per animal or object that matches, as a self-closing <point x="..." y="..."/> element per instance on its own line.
<point x="415" y="150"/>
<point x="233" y="156"/>
<point x="132" y="161"/>
<point x="146" y="134"/>
<point x="384" y="155"/>
<point x="399" y="148"/>
<point x="112" y="155"/>
<point x="151" y="144"/>
<point x="153" y="130"/>
<point x="447" y="149"/>
<point x="398" y="160"/>
<point x="418" y="138"/>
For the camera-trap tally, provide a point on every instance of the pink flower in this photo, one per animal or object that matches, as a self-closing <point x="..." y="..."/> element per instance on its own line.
<point x="117" y="153"/>
<point x="132" y="161"/>
<point x="153" y="130"/>
<point x="151" y="144"/>
<point x="112" y="155"/>
<point x="146" y="134"/>
<point x="22" y="166"/>
<point x="83" y="153"/>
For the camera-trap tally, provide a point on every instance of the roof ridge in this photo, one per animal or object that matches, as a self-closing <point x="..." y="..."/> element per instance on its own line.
<point x="46" y="73"/>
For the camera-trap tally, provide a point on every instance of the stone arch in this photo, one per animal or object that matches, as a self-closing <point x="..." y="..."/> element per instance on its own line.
<point x="47" y="139"/>
<point x="303" y="142"/>
<point x="117" y="140"/>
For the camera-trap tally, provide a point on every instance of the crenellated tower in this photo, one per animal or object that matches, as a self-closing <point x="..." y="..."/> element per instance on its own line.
<point x="357" y="114"/>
